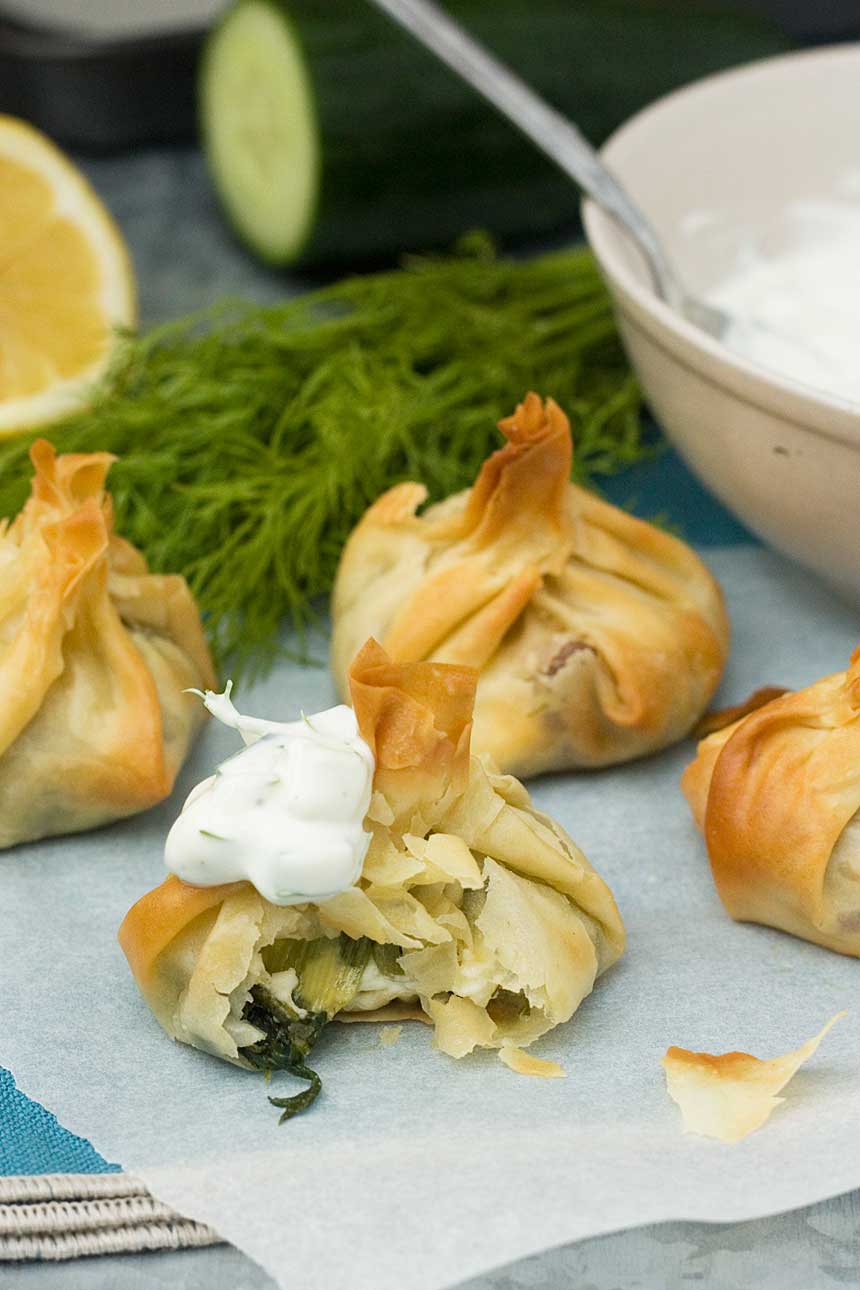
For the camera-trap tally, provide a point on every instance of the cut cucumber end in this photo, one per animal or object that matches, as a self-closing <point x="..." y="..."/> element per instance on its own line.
<point x="260" y="131"/>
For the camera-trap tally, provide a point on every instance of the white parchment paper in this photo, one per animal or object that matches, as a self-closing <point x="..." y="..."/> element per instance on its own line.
<point x="413" y="1169"/>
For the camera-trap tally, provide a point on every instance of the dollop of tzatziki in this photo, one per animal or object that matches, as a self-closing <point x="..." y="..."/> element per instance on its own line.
<point x="286" y="813"/>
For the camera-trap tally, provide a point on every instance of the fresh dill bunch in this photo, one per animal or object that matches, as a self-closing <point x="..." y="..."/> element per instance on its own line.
<point x="252" y="438"/>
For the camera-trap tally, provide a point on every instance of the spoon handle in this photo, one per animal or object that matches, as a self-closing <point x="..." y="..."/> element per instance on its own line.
<point x="557" y="138"/>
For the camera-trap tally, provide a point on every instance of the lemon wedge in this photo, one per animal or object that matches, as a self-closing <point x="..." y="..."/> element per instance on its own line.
<point x="66" y="281"/>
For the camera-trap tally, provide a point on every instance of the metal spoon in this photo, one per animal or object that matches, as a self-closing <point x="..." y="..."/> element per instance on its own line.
<point x="557" y="137"/>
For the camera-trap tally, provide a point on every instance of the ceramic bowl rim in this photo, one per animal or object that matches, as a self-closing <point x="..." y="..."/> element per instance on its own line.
<point x="829" y="415"/>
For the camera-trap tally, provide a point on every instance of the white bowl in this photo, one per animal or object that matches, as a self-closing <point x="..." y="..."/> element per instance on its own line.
<point x="712" y="164"/>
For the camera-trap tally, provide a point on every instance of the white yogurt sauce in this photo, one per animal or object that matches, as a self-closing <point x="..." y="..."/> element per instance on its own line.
<point x="286" y="813"/>
<point x="796" y="310"/>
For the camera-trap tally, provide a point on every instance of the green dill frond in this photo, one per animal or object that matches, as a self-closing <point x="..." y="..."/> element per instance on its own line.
<point x="251" y="439"/>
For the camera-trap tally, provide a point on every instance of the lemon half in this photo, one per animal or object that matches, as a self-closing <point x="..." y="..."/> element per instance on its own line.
<point x="66" y="281"/>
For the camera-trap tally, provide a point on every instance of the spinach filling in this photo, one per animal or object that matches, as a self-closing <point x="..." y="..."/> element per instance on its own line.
<point x="287" y="1041"/>
<point x="329" y="973"/>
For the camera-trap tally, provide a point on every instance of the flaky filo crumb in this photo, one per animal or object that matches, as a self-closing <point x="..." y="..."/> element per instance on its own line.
<point x="730" y="1095"/>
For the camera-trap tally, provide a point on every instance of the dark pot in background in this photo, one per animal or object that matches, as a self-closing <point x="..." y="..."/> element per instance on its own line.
<point x="111" y="75"/>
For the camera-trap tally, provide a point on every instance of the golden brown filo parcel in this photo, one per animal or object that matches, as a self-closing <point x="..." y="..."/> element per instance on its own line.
<point x="598" y="637"/>
<point x="95" y="653"/>
<point x="777" y="797"/>
<point x="473" y="910"/>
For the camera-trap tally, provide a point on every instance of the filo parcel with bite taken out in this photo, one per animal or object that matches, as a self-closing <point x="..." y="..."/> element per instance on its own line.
<point x="777" y="796"/>
<point x="95" y="653"/>
<point x="598" y="637"/>
<point x="473" y="910"/>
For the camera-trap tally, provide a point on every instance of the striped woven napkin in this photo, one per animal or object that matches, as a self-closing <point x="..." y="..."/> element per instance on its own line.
<point x="66" y="1216"/>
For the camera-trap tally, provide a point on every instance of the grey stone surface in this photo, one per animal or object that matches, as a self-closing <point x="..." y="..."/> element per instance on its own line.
<point x="185" y="258"/>
<point x="806" y="1250"/>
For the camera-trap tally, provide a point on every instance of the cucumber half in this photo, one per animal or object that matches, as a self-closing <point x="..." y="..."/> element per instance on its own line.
<point x="334" y="138"/>
<point x="260" y="129"/>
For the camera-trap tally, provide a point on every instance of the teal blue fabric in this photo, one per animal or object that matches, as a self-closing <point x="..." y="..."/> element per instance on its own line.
<point x="31" y="1139"/>
<point x="664" y="489"/>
